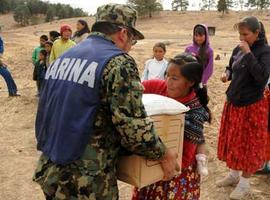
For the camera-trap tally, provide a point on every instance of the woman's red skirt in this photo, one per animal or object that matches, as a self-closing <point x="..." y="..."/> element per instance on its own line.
<point x="186" y="186"/>
<point x="268" y="148"/>
<point x="243" y="136"/>
<point x="267" y="95"/>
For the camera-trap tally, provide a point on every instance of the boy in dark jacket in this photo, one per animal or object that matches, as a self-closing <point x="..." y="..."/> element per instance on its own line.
<point x="40" y="69"/>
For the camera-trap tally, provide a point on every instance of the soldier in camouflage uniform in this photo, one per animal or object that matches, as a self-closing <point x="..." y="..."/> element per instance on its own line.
<point x="120" y="121"/>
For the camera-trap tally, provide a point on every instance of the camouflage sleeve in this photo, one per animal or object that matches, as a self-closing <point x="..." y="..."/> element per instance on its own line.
<point x="124" y="91"/>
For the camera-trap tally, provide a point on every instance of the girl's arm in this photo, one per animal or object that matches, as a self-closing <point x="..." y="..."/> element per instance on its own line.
<point x="145" y="72"/>
<point x="189" y="152"/>
<point x="164" y="70"/>
<point x="34" y="56"/>
<point x="187" y="50"/>
<point x="154" y="86"/>
<point x="208" y="71"/>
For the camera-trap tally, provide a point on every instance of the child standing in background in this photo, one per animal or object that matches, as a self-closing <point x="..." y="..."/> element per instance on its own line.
<point x="156" y="67"/>
<point x="202" y="50"/>
<point x="40" y="69"/>
<point x="62" y="44"/>
<point x="48" y="48"/>
<point x="35" y="54"/>
<point x="54" y="35"/>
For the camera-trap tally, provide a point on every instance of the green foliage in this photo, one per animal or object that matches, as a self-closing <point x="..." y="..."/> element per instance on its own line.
<point x="241" y="3"/>
<point x="259" y="4"/>
<point x="78" y="12"/>
<point x="222" y="6"/>
<point x="146" y="7"/>
<point x="50" y="14"/>
<point x="40" y="7"/>
<point x="37" y="8"/>
<point x="230" y="3"/>
<point x="208" y="4"/>
<point x="182" y="4"/>
<point x="4" y="6"/>
<point x="22" y="15"/>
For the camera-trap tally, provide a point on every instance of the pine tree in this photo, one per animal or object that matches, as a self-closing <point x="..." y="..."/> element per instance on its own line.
<point x="62" y="13"/>
<point x="78" y="12"/>
<point x="241" y="4"/>
<point x="208" y="4"/>
<point x="33" y="6"/>
<point x="146" y="7"/>
<point x="259" y="4"/>
<point x="182" y="4"/>
<point x="22" y="14"/>
<point x="4" y="6"/>
<point x="230" y="3"/>
<point x="222" y="6"/>
<point x="50" y="14"/>
<point x="24" y="10"/>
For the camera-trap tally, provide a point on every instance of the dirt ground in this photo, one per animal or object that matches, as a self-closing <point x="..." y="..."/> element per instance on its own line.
<point x="18" y="155"/>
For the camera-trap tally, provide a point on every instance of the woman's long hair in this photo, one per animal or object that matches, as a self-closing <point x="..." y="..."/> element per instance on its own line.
<point x="84" y="30"/>
<point x="253" y="24"/>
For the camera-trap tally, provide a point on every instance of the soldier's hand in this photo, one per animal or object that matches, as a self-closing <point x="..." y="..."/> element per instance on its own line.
<point x="169" y="164"/>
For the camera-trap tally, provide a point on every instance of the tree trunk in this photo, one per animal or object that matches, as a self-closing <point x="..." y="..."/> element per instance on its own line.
<point x="150" y="14"/>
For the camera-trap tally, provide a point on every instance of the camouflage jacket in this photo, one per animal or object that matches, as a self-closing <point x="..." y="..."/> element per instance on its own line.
<point x="121" y="122"/>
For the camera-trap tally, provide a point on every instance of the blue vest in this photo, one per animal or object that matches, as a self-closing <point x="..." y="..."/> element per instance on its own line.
<point x="70" y="99"/>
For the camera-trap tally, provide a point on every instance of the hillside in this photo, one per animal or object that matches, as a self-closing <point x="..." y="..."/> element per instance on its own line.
<point x="18" y="153"/>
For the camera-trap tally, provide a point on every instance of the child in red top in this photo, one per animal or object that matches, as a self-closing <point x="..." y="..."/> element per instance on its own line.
<point x="182" y="84"/>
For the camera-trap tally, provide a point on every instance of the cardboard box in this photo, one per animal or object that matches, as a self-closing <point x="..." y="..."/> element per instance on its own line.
<point x="138" y="171"/>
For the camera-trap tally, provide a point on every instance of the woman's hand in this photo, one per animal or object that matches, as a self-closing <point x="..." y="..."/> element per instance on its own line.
<point x="244" y="47"/>
<point x="224" y="77"/>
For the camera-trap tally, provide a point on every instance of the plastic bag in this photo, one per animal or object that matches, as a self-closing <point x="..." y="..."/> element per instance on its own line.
<point x="157" y="105"/>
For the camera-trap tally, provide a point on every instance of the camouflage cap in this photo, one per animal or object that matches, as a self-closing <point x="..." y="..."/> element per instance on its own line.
<point x="119" y="14"/>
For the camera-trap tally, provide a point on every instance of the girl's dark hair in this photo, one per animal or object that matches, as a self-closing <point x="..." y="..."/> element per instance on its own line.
<point x="84" y="30"/>
<point x="202" y="57"/>
<point x="192" y="71"/>
<point x="43" y="52"/>
<point x="161" y="45"/>
<point x="54" y="35"/>
<point x="105" y="27"/>
<point x="49" y="43"/>
<point x="44" y="37"/>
